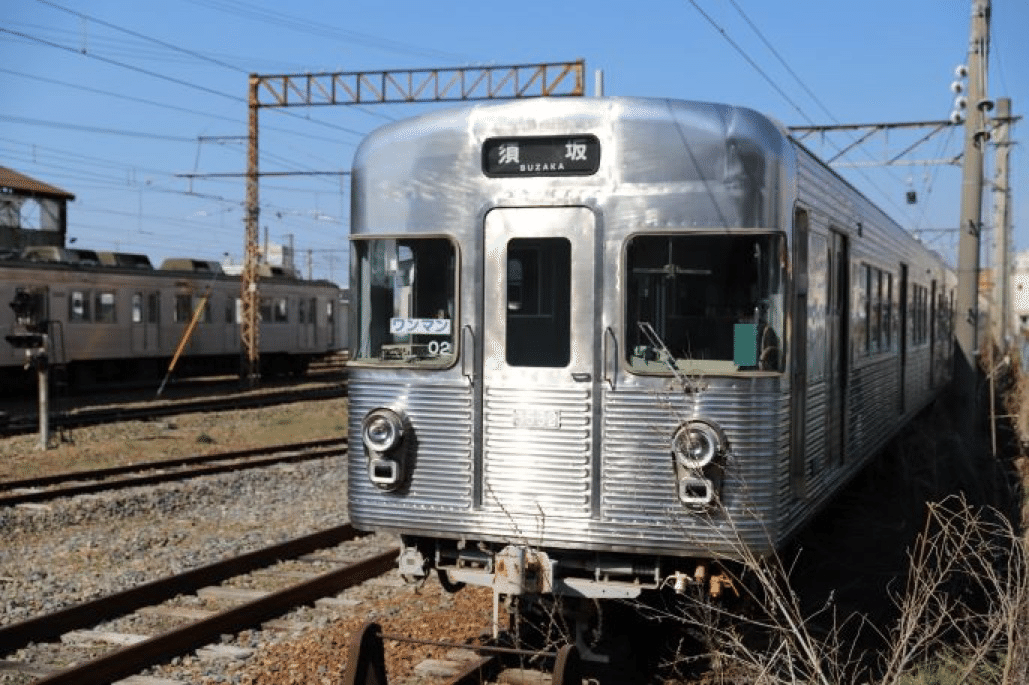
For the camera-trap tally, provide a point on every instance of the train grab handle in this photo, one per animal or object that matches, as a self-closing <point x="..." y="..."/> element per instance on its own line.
<point x="468" y="353"/>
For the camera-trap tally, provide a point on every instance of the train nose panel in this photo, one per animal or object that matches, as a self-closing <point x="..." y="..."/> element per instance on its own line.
<point x="537" y="457"/>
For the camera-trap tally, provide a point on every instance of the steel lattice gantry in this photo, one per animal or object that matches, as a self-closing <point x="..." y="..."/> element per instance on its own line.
<point x="375" y="87"/>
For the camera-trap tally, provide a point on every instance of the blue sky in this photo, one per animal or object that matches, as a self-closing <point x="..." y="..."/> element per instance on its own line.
<point x="111" y="99"/>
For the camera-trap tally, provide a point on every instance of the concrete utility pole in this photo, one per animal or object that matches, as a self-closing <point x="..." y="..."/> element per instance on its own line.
<point x="966" y="310"/>
<point x="1001" y="305"/>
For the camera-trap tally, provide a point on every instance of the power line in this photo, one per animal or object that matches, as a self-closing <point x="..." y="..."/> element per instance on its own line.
<point x="136" y="34"/>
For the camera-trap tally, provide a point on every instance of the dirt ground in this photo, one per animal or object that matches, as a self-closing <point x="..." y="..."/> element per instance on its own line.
<point x="132" y="442"/>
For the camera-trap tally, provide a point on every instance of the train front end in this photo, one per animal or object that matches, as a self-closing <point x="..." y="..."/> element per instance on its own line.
<point x="570" y="370"/>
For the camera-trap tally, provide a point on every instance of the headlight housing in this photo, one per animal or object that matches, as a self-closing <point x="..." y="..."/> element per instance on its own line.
<point x="696" y="444"/>
<point x="699" y="449"/>
<point x="382" y="430"/>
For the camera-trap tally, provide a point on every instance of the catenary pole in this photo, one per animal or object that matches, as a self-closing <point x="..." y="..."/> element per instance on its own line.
<point x="966" y="310"/>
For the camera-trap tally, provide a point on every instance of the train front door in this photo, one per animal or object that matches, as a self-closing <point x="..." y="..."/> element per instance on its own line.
<point x="539" y="362"/>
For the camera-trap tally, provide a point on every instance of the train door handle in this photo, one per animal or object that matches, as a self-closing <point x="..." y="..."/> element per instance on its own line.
<point x="468" y="353"/>
<point x="608" y="377"/>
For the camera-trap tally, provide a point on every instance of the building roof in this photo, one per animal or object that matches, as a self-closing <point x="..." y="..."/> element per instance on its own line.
<point x="25" y="185"/>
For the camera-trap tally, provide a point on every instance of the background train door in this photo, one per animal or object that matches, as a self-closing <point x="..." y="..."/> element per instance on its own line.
<point x="539" y="361"/>
<point x="838" y="324"/>
<point x="146" y="315"/>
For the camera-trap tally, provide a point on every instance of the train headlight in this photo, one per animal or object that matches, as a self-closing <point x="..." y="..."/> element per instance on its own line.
<point x="696" y="444"/>
<point x="382" y="430"/>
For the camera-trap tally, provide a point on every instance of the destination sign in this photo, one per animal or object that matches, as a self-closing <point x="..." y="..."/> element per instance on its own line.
<point x="541" y="156"/>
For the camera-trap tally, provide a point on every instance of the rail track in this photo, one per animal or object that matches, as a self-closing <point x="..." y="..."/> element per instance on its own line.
<point x="72" y="654"/>
<point x="28" y="421"/>
<point x="149" y="473"/>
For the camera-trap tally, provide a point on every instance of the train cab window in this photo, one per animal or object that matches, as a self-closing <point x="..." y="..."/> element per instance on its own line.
<point x="78" y="306"/>
<point x="405" y="301"/>
<point x="704" y="303"/>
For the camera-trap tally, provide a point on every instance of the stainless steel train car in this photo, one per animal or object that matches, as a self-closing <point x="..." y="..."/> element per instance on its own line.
<point x="602" y="345"/>
<point x="112" y="317"/>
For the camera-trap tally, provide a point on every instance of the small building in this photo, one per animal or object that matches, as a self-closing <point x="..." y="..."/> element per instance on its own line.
<point x="32" y="213"/>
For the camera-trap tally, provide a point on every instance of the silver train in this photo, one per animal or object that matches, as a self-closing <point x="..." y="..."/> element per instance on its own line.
<point x="604" y="345"/>
<point x="112" y="317"/>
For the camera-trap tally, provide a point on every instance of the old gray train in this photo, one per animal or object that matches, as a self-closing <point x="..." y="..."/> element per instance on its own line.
<point x="112" y="317"/>
<point x="602" y="345"/>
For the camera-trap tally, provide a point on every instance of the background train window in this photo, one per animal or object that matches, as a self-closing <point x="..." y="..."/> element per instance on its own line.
<point x="706" y="299"/>
<point x="78" y="306"/>
<point x="538" y="302"/>
<point x="183" y="308"/>
<point x="280" y="309"/>
<point x="405" y="300"/>
<point x="153" y="314"/>
<point x="105" y="311"/>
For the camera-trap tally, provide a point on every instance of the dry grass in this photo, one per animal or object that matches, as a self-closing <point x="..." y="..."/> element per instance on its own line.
<point x="960" y="613"/>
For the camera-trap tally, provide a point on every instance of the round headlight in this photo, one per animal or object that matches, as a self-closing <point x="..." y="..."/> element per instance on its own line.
<point x="696" y="444"/>
<point x="382" y="430"/>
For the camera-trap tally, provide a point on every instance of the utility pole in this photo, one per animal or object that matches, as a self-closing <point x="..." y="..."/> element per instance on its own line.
<point x="1001" y="305"/>
<point x="966" y="312"/>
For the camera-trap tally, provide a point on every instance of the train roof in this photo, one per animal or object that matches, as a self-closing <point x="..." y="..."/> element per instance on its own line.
<point x="698" y="163"/>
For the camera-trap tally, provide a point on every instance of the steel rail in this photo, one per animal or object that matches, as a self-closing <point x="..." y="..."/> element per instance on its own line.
<point x="300" y="454"/>
<point x="90" y="613"/>
<point x="130" y="660"/>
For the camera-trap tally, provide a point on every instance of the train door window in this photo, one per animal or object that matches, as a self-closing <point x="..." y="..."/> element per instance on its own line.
<point x="137" y="307"/>
<point x="301" y="311"/>
<point x="312" y="311"/>
<point x="889" y="322"/>
<point x="266" y="309"/>
<point x="78" y="306"/>
<point x="183" y="308"/>
<point x="702" y="299"/>
<point x="153" y="314"/>
<point x="105" y="309"/>
<point x="230" y="310"/>
<point x="539" y="302"/>
<point x="405" y="301"/>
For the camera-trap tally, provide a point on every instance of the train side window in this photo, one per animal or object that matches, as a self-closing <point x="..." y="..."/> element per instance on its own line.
<point x="281" y="310"/>
<point x="78" y="306"/>
<point x="153" y="313"/>
<point x="183" y="308"/>
<point x="137" y="307"/>
<point x="105" y="309"/>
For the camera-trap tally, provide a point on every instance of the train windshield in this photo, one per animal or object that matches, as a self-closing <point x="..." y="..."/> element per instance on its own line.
<point x="404" y="300"/>
<point x="704" y="303"/>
